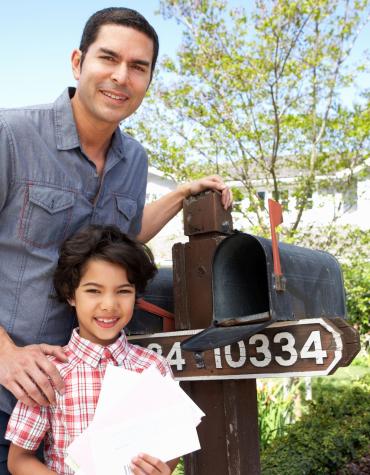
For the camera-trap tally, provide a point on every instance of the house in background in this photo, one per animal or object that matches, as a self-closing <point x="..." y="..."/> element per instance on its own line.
<point x="331" y="202"/>
<point x="345" y="206"/>
<point x="161" y="245"/>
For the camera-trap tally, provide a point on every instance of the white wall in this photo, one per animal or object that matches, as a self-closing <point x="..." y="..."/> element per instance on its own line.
<point x="161" y="245"/>
<point x="326" y="207"/>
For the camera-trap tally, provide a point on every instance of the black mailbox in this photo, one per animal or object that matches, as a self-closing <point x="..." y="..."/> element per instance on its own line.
<point x="160" y="293"/>
<point x="246" y="297"/>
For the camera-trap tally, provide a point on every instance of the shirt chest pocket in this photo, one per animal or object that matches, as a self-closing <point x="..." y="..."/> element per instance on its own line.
<point x="46" y="215"/>
<point x="125" y="212"/>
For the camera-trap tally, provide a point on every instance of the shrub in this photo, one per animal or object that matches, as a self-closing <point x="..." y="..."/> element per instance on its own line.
<point x="276" y="409"/>
<point x="180" y="468"/>
<point x="335" y="430"/>
<point x="363" y="357"/>
<point x="356" y="278"/>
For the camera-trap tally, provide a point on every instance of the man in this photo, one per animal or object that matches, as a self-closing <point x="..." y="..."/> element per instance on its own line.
<point x="63" y="166"/>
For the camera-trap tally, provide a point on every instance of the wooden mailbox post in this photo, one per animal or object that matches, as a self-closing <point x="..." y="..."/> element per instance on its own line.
<point x="222" y="380"/>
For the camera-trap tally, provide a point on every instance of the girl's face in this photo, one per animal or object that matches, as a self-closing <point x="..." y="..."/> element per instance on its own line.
<point x="104" y="301"/>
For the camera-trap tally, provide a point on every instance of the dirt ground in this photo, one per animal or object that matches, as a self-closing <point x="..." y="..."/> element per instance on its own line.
<point x="359" y="467"/>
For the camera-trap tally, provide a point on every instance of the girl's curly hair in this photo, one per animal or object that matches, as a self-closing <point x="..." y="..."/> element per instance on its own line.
<point x="105" y="243"/>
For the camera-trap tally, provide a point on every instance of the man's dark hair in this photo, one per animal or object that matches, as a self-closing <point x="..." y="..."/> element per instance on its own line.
<point x="118" y="16"/>
<point x="105" y="243"/>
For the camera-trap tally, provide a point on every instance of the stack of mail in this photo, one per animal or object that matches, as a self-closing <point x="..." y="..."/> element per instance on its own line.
<point x="136" y="412"/>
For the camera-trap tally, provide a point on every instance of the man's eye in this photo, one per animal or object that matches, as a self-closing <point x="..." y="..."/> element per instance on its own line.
<point x="138" y="67"/>
<point x="108" y="58"/>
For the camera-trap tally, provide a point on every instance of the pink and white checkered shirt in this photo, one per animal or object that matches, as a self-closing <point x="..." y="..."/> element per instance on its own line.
<point x="60" y="423"/>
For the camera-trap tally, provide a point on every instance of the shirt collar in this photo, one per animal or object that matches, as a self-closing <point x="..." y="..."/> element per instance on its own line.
<point x="65" y="127"/>
<point x="92" y="353"/>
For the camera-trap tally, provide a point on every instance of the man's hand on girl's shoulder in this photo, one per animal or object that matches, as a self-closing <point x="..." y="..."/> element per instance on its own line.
<point x="29" y="375"/>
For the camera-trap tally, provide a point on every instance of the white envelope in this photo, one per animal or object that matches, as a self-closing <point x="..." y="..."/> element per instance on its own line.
<point x="136" y="412"/>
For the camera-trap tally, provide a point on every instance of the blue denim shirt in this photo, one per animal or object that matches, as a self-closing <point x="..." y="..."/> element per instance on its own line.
<point x="48" y="190"/>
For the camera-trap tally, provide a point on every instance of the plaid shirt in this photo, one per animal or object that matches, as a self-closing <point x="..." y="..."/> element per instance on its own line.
<point x="73" y="411"/>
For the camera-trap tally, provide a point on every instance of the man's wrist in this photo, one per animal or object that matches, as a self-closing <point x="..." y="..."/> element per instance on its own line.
<point x="5" y="341"/>
<point x="184" y="189"/>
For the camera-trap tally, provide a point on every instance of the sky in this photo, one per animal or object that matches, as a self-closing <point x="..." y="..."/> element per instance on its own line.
<point x="38" y="36"/>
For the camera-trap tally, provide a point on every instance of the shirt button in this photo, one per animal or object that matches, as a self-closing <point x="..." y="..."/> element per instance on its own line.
<point x="107" y="354"/>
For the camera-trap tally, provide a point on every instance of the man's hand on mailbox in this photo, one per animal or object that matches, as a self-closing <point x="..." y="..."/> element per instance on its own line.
<point x="213" y="182"/>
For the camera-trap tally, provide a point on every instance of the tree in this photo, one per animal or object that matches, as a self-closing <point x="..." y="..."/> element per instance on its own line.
<point x="251" y="96"/>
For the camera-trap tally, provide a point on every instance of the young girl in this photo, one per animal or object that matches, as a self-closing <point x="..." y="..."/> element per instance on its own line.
<point x="99" y="272"/>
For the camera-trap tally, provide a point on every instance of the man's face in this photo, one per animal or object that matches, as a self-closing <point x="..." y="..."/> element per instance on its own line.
<point x="114" y="76"/>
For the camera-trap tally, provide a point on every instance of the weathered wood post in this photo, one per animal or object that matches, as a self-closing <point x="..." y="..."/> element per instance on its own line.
<point x="229" y="434"/>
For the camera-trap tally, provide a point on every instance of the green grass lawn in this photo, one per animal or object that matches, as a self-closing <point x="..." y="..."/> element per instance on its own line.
<point x="348" y="373"/>
<point x="359" y="367"/>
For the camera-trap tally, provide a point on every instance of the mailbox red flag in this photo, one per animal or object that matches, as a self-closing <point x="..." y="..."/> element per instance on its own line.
<point x="276" y="218"/>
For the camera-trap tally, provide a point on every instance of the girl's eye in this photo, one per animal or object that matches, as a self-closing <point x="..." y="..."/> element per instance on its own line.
<point x="92" y="291"/>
